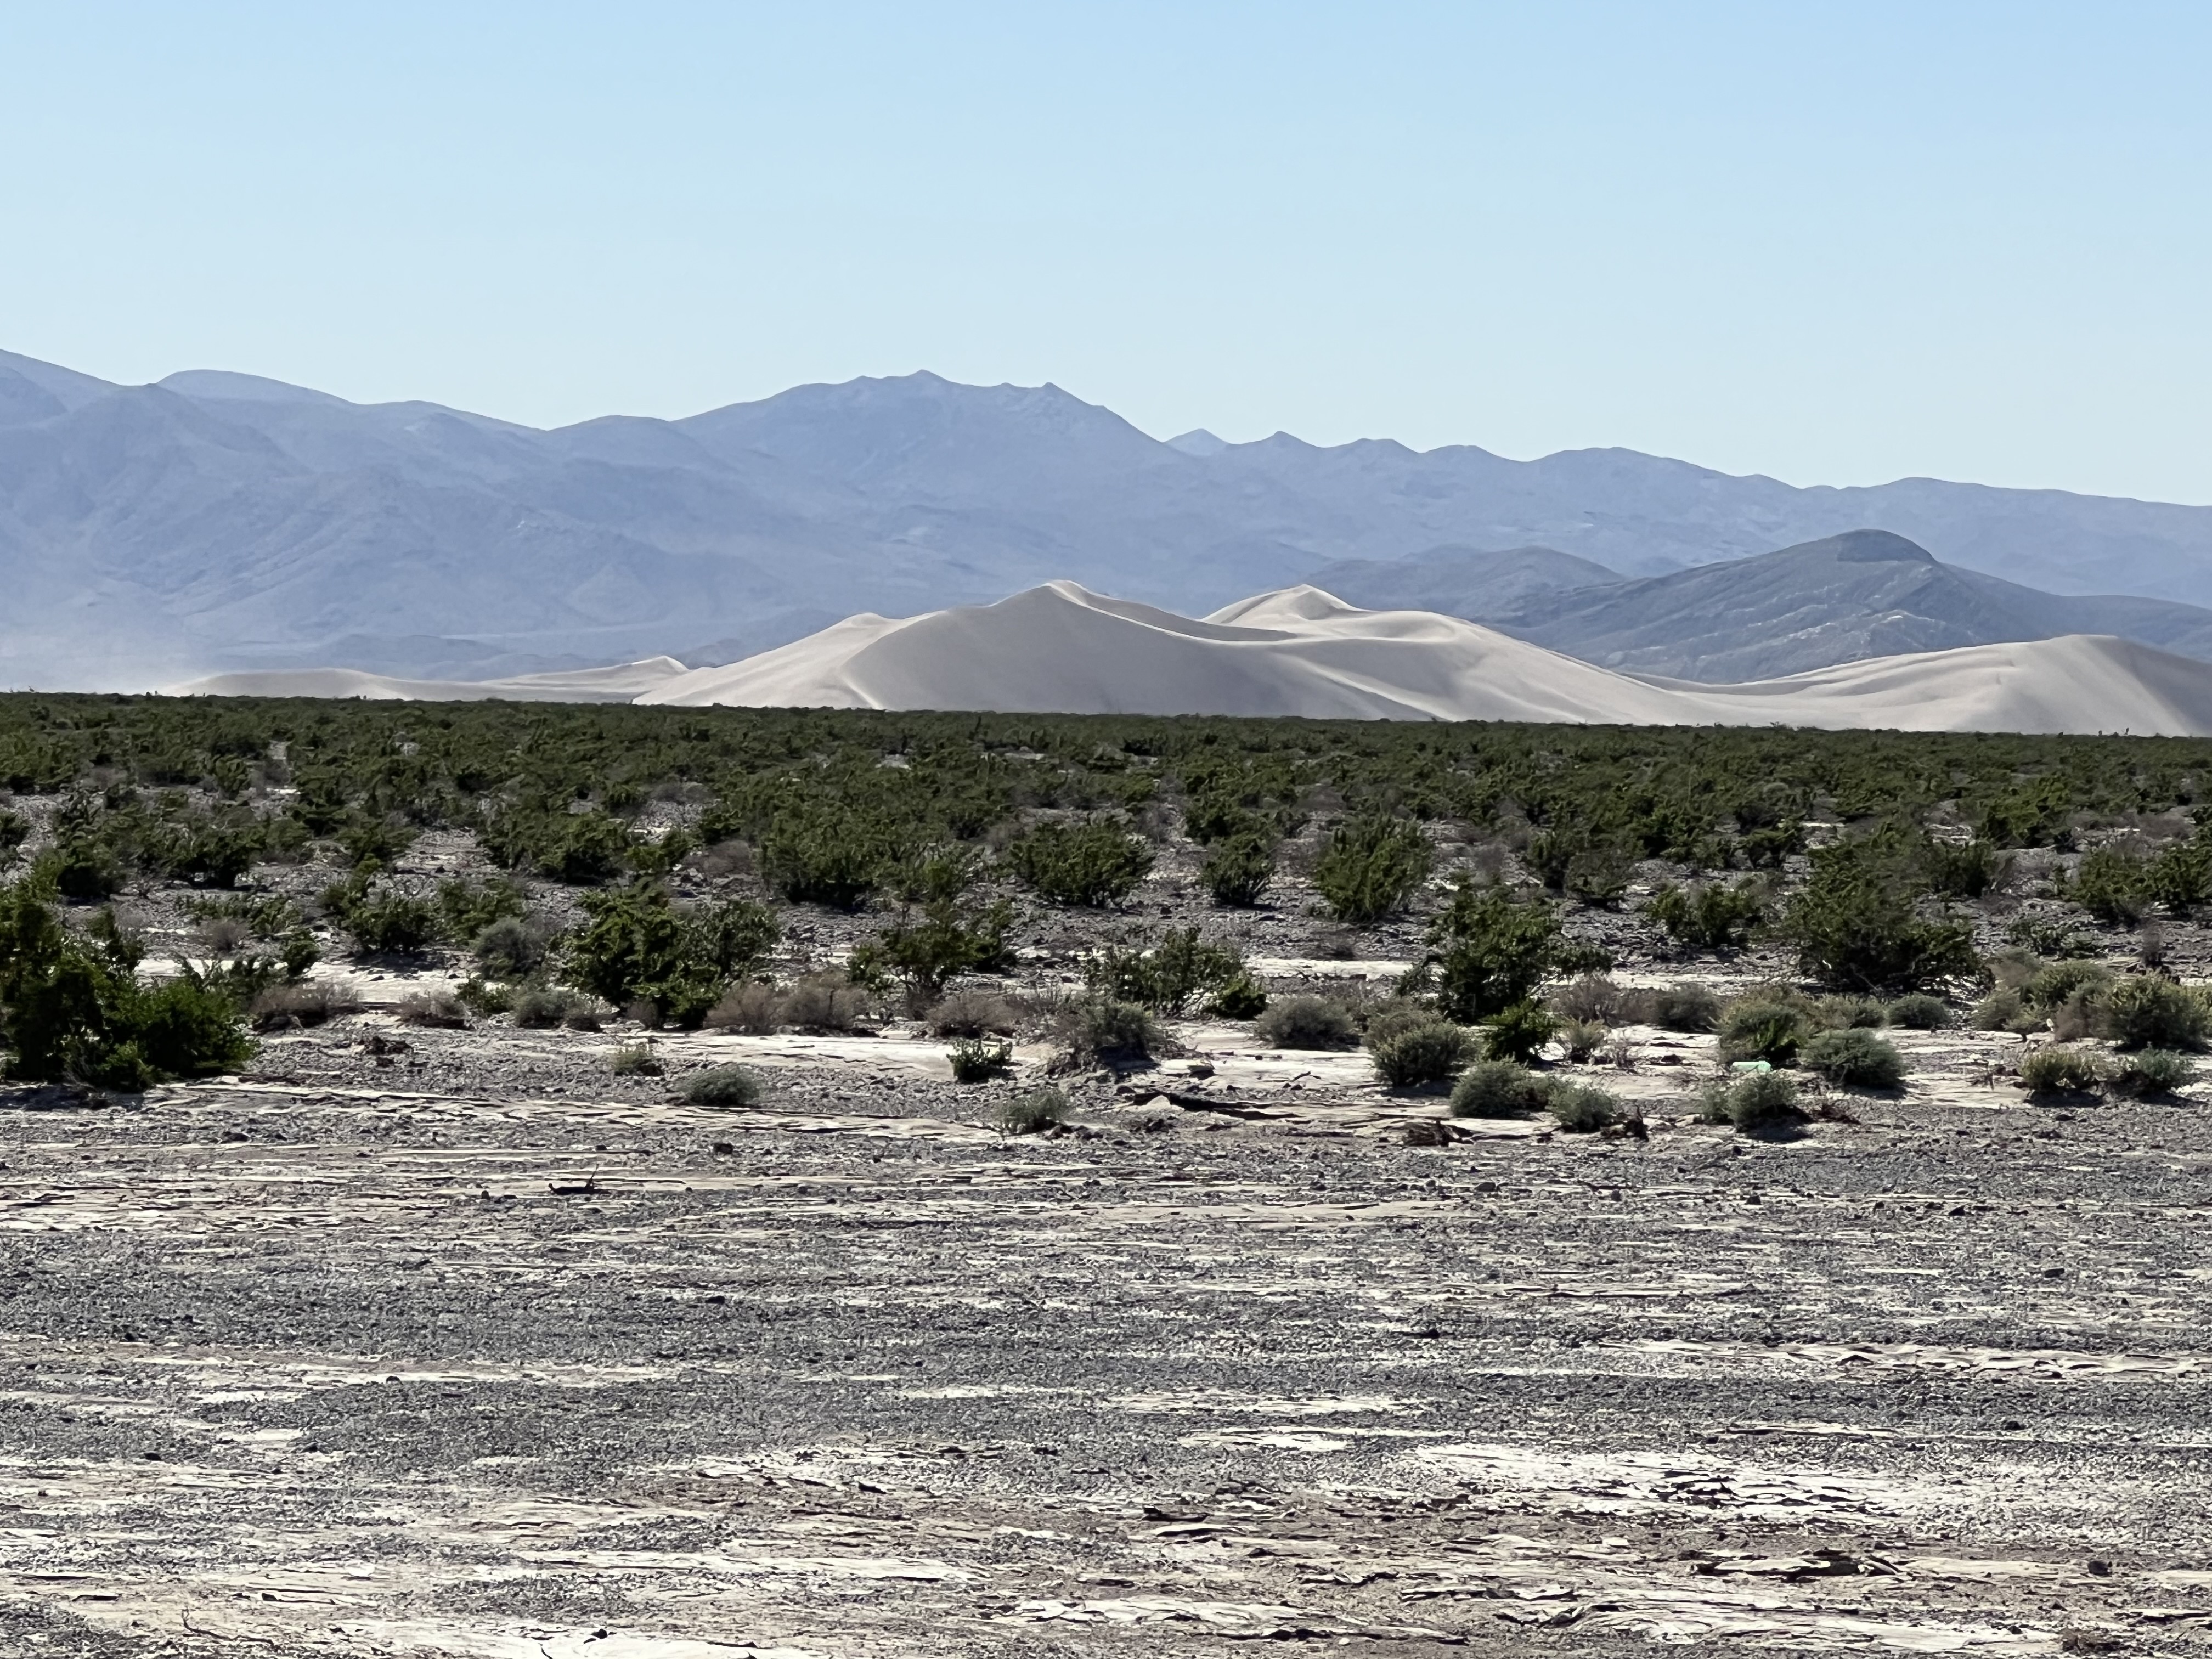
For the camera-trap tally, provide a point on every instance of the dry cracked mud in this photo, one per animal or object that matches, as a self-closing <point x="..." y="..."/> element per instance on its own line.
<point x="440" y="1351"/>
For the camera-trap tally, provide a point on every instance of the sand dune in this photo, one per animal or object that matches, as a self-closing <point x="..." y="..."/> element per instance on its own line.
<point x="1300" y="651"/>
<point x="619" y="683"/>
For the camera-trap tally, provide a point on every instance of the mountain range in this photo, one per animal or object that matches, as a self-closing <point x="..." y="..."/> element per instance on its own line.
<point x="217" y="521"/>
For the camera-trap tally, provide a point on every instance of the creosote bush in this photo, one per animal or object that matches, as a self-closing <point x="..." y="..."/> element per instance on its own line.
<point x="1489" y="951"/>
<point x="1519" y="1033"/>
<point x="1853" y="1058"/>
<point x="1592" y="999"/>
<point x="973" y="1013"/>
<point x="540" y="1007"/>
<point x="1092" y="864"/>
<point x="1034" y="1113"/>
<point x="1241" y="996"/>
<point x="1239" y="871"/>
<point x="1709" y="916"/>
<point x="2142" y="1011"/>
<point x="287" y="1007"/>
<point x="1164" y="975"/>
<point x="755" y="1008"/>
<point x="2061" y="1070"/>
<point x="438" y="1009"/>
<point x="1498" y="1089"/>
<point x="1307" y="1022"/>
<point x="1751" y="1099"/>
<point x="2004" y="1010"/>
<point x="635" y="1059"/>
<point x="1675" y="1008"/>
<point x="1580" y="1109"/>
<point x="721" y="1085"/>
<point x="1423" y="1055"/>
<point x="1756" y="1028"/>
<point x="974" y="1060"/>
<point x="1918" y="1012"/>
<point x="1372" y="866"/>
<point x="1099" y="1031"/>
<point x="2151" y="1072"/>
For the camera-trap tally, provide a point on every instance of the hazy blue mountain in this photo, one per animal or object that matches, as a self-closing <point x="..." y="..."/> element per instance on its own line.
<point x="1460" y="581"/>
<point x="1865" y="593"/>
<point x="221" y="521"/>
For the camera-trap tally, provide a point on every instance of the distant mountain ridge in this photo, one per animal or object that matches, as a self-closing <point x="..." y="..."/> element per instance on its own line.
<point x="218" y="521"/>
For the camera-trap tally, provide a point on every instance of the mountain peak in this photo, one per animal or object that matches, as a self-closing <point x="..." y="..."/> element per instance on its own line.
<point x="1197" y="441"/>
<point x="1874" y="547"/>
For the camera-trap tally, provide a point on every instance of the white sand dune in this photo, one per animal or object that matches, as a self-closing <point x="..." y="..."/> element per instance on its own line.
<point x="1060" y="648"/>
<point x="619" y="683"/>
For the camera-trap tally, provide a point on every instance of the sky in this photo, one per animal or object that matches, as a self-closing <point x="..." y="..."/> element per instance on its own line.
<point x="1832" y="243"/>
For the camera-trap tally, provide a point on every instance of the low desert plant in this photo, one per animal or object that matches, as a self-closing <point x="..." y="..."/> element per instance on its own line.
<point x="1675" y="1008"/>
<point x="1748" y="1099"/>
<point x="1853" y="1058"/>
<point x="1845" y="1011"/>
<point x="721" y="1085"/>
<point x="1307" y="1022"/>
<point x="1237" y="871"/>
<point x="1499" y="1088"/>
<point x="974" y="1060"/>
<point x="1578" y="1039"/>
<point x="2061" y="1070"/>
<point x="1755" y="1028"/>
<point x="2152" y="1072"/>
<point x="1092" y="864"/>
<point x="281" y="1006"/>
<point x="1519" y="1033"/>
<point x="1918" y="1012"/>
<point x="509" y="948"/>
<point x="1163" y="976"/>
<point x="2004" y="1010"/>
<point x="973" y="1013"/>
<point x="1240" y="997"/>
<point x="434" y="1008"/>
<point x="1709" y="916"/>
<point x="1034" y="1113"/>
<point x="1098" y="1029"/>
<point x="1371" y="867"/>
<point x="755" y="1008"/>
<point x="823" y="1002"/>
<point x="2142" y="1011"/>
<point x="635" y="1059"/>
<point x="541" y="1006"/>
<point x="1594" y="998"/>
<point x="484" y="998"/>
<point x="2049" y="986"/>
<point x="1582" y="1110"/>
<point x="1428" y="1054"/>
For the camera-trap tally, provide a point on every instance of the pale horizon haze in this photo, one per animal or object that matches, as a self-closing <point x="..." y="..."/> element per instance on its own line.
<point x="1835" y="244"/>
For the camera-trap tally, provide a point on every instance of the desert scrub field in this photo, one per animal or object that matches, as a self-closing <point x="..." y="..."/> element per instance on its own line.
<point x="546" y="1179"/>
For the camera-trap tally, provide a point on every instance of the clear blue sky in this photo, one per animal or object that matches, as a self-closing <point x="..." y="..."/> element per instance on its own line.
<point x="1837" y="243"/>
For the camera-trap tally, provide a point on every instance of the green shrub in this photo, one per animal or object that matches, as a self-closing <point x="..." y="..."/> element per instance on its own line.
<point x="1578" y="1039"/>
<point x="1675" y="1008"/>
<point x="509" y="948"/>
<point x="1499" y="1088"/>
<point x="540" y="1007"/>
<point x="1592" y="999"/>
<point x="836" y="859"/>
<point x="1751" y="1099"/>
<point x="1034" y="1113"/>
<point x="1240" y="997"/>
<point x="2048" y="988"/>
<point x="1843" y="1012"/>
<point x="1239" y="871"/>
<point x="2061" y="1070"/>
<point x="1165" y="977"/>
<point x="1855" y="926"/>
<point x="2113" y="884"/>
<point x="2050" y="938"/>
<point x="440" y="1009"/>
<point x="929" y="948"/>
<point x="467" y="909"/>
<point x="1307" y="1022"/>
<point x="2141" y="1010"/>
<point x="635" y="1059"/>
<point x="2004" y="1010"/>
<point x="1853" y="1058"/>
<point x="823" y="1002"/>
<point x="2152" y="1072"/>
<point x="1519" y="1033"/>
<point x="721" y="1086"/>
<point x="484" y="999"/>
<point x="1582" y="1110"/>
<point x="1966" y="870"/>
<point x="1100" y="1030"/>
<point x="1491" y="951"/>
<point x="1918" y="1012"/>
<point x="974" y="1060"/>
<point x="1708" y="916"/>
<point x="1092" y="864"/>
<point x="1431" y="1052"/>
<point x="1372" y="866"/>
<point x="1755" y="1028"/>
<point x="636" y="946"/>
<point x="72" y="1008"/>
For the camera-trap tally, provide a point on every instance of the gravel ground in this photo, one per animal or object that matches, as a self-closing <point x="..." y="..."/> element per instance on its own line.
<point x="468" y="1347"/>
